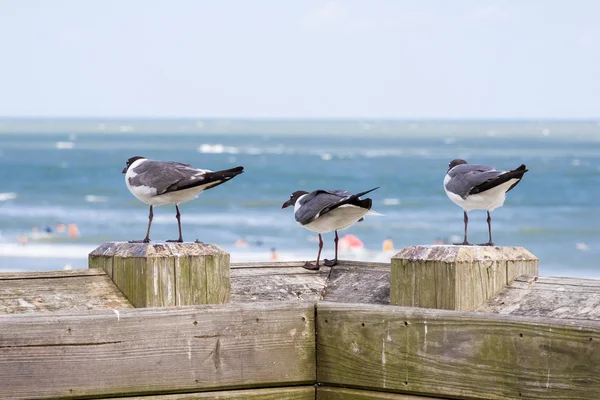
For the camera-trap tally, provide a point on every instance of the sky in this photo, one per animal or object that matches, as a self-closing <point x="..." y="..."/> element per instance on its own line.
<point x="300" y="59"/>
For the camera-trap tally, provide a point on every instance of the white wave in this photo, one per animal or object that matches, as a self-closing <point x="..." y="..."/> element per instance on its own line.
<point x="207" y="148"/>
<point x="392" y="201"/>
<point x="90" y="198"/>
<point x="65" y="145"/>
<point x="8" y="196"/>
<point x="46" y="250"/>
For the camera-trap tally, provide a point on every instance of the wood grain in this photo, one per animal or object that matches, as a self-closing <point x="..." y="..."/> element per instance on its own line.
<point x="166" y="274"/>
<point x="454" y="354"/>
<point x="335" y="393"/>
<point x="554" y="297"/>
<point x="455" y="277"/>
<point x="359" y="282"/>
<point x="74" y="290"/>
<point x="153" y="351"/>
<point x="282" y="393"/>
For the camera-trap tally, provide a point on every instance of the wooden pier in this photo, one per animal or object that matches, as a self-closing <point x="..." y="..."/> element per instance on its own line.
<point x="287" y="333"/>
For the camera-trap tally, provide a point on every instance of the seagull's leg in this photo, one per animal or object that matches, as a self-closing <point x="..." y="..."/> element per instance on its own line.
<point x="331" y="263"/>
<point x="489" y="221"/>
<point x="178" y="216"/>
<point x="147" y="238"/>
<point x="465" y="242"/>
<point x="311" y="266"/>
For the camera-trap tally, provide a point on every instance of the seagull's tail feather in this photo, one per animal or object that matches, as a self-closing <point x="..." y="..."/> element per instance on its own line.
<point x="212" y="179"/>
<point x="375" y="213"/>
<point x="353" y="200"/>
<point x="503" y="178"/>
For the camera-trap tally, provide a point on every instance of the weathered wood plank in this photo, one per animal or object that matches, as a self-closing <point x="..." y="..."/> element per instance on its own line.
<point x="166" y="274"/>
<point x="282" y="393"/>
<point x="287" y="283"/>
<point x="4" y="276"/>
<point x="357" y="282"/>
<point x="74" y="290"/>
<point x="153" y="351"/>
<point x="454" y="354"/>
<point x="271" y="264"/>
<point x="455" y="277"/>
<point x="335" y="393"/>
<point x="548" y="296"/>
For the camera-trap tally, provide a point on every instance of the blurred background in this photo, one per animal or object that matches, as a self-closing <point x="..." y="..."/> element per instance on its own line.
<point x="305" y="95"/>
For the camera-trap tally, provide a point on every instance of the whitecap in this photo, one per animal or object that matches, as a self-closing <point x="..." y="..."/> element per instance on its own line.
<point x="207" y="148"/>
<point x="90" y="198"/>
<point x="65" y="145"/>
<point x="8" y="196"/>
<point x="392" y="201"/>
<point x="326" y="157"/>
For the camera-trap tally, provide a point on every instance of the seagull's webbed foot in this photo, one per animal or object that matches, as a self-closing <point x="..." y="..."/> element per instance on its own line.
<point x="146" y="240"/>
<point x="487" y="244"/>
<point x="310" y="266"/>
<point x="198" y="241"/>
<point x="180" y="240"/>
<point x="330" y="263"/>
<point x="465" y="243"/>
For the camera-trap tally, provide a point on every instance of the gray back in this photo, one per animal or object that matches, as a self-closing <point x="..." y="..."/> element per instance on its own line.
<point x="465" y="177"/>
<point x="313" y="203"/>
<point x="161" y="174"/>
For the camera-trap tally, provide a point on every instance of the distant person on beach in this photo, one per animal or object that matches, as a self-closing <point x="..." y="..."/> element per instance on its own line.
<point x="388" y="244"/>
<point x="274" y="256"/>
<point x="73" y="231"/>
<point x="241" y="242"/>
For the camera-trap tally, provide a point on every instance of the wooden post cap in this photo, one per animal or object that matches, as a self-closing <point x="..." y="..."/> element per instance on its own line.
<point x="455" y="277"/>
<point x="166" y="274"/>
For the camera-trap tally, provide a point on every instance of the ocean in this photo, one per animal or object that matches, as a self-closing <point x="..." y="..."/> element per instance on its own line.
<point x="69" y="172"/>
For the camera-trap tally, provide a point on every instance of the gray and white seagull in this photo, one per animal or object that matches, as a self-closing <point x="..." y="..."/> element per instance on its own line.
<point x="479" y="187"/>
<point x="325" y="211"/>
<point x="157" y="183"/>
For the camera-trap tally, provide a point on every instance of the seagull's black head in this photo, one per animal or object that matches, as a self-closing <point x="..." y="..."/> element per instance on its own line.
<point x="456" y="162"/>
<point x="294" y="198"/>
<point x="131" y="161"/>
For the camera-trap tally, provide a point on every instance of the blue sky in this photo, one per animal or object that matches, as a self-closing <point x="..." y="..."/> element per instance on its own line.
<point x="300" y="59"/>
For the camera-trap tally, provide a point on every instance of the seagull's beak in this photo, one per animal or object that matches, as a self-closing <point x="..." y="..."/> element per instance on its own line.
<point x="124" y="170"/>
<point x="287" y="204"/>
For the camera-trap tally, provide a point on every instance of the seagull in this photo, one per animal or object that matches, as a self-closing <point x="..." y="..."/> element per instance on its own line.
<point x="325" y="211"/>
<point x="165" y="182"/>
<point x="479" y="187"/>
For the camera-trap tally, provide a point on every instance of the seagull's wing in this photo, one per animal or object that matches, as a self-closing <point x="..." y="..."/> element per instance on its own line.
<point x="191" y="177"/>
<point x="165" y="176"/>
<point x="313" y="203"/>
<point x="321" y="202"/>
<point x="465" y="178"/>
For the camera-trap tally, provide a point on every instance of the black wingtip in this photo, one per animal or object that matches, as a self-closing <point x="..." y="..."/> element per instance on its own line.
<point x="522" y="167"/>
<point x="363" y="193"/>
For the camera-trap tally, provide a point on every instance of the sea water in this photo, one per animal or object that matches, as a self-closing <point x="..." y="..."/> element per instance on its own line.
<point x="69" y="172"/>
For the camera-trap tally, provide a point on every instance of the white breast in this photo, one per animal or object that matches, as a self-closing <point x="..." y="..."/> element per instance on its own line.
<point x="488" y="200"/>
<point x="337" y="219"/>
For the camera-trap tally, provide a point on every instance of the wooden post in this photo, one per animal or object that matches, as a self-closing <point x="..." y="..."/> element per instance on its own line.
<point x="166" y="274"/>
<point x="455" y="277"/>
